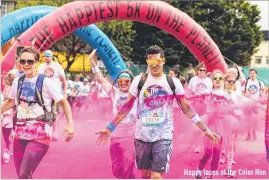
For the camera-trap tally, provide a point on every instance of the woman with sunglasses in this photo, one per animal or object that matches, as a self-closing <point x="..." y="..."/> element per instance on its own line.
<point x="122" y="141"/>
<point x="216" y="100"/>
<point x="232" y="124"/>
<point x="32" y="132"/>
<point x="198" y="87"/>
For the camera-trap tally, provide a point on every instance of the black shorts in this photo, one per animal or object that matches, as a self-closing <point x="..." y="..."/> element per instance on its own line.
<point x="154" y="156"/>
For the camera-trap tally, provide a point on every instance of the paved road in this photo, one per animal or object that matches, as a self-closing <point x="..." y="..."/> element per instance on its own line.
<point x="82" y="158"/>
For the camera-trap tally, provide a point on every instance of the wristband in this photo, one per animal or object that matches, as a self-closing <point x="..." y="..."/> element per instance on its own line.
<point x="195" y="119"/>
<point x="111" y="126"/>
<point x="95" y="69"/>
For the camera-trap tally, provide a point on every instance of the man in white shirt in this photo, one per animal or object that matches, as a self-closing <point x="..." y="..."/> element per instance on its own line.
<point x="55" y="72"/>
<point x="253" y="89"/>
<point x="154" y="128"/>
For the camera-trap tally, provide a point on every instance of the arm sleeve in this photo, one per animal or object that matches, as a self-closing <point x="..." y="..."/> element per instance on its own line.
<point x="179" y="88"/>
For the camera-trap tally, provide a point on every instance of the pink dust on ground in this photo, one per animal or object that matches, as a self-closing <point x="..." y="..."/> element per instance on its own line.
<point x="83" y="158"/>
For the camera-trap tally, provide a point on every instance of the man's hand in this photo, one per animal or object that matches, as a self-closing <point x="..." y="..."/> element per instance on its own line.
<point x="70" y="131"/>
<point x="213" y="136"/>
<point x="104" y="135"/>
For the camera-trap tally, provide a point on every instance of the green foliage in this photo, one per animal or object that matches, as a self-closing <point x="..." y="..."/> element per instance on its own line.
<point x="121" y="34"/>
<point x="25" y="3"/>
<point x="231" y="24"/>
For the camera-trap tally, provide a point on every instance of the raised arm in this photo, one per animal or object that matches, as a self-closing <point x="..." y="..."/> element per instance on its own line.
<point x="97" y="72"/>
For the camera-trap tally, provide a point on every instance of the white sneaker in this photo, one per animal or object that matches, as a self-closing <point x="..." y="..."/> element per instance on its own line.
<point x="197" y="149"/>
<point x="6" y="156"/>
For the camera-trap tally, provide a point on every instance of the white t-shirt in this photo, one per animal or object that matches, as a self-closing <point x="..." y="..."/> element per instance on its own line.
<point x="70" y="87"/>
<point x="200" y="86"/>
<point x="238" y="86"/>
<point x="155" y="108"/>
<point x="254" y="88"/>
<point x="127" y="125"/>
<point x="50" y="91"/>
<point x="53" y="70"/>
<point x="85" y="90"/>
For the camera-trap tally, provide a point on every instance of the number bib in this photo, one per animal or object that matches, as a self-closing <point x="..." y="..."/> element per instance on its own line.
<point x="152" y="119"/>
<point x="23" y="113"/>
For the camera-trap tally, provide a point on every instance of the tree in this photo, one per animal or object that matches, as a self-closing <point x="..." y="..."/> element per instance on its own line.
<point x="26" y="3"/>
<point x="121" y="34"/>
<point x="231" y="24"/>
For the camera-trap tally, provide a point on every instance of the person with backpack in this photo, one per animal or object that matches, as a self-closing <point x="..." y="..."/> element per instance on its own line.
<point x="121" y="142"/>
<point x="253" y="89"/>
<point x="154" y="127"/>
<point x="33" y="94"/>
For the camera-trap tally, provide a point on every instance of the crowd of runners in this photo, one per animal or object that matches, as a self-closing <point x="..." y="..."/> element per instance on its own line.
<point x="140" y="110"/>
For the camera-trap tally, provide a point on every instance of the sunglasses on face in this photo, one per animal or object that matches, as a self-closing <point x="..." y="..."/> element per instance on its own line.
<point x="154" y="61"/>
<point x="218" y="78"/>
<point x="124" y="81"/>
<point x="202" y="70"/>
<point x="230" y="81"/>
<point x="24" y="61"/>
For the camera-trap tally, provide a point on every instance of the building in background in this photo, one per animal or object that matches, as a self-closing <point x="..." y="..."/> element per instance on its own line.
<point x="8" y="6"/>
<point x="261" y="57"/>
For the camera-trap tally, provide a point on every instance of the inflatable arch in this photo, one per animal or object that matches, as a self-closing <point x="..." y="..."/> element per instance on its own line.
<point x="77" y="14"/>
<point x="19" y="21"/>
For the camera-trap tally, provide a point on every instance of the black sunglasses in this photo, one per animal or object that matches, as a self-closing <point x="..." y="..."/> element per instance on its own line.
<point x="202" y="70"/>
<point x="29" y="61"/>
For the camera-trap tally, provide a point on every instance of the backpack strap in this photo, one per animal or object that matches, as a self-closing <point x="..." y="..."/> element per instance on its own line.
<point x="171" y="84"/>
<point x="246" y="85"/>
<point x="38" y="90"/>
<point x="141" y="83"/>
<point x="19" y="88"/>
<point x="260" y="88"/>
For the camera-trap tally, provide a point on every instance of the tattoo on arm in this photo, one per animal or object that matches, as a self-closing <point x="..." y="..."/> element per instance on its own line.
<point x="186" y="107"/>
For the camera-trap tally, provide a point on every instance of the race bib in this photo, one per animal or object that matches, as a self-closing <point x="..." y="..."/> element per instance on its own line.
<point x="152" y="119"/>
<point x="25" y="113"/>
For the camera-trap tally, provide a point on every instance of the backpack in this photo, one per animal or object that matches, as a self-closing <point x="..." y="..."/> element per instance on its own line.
<point x="260" y="93"/>
<point x="143" y="80"/>
<point x="49" y="117"/>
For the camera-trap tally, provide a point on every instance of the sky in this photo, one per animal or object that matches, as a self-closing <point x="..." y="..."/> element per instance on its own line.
<point x="263" y="6"/>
